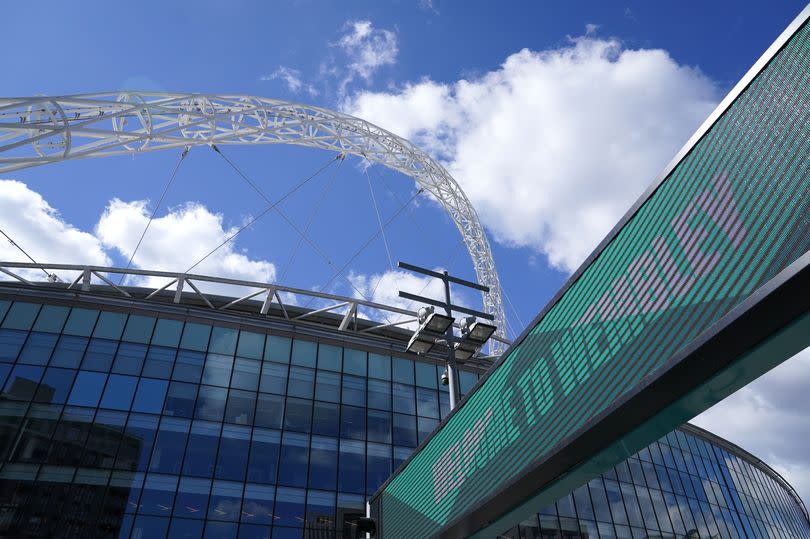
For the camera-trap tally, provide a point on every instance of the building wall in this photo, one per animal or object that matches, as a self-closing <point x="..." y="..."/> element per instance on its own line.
<point x="118" y="422"/>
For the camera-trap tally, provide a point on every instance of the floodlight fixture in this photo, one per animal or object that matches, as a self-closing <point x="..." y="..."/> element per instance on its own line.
<point x="474" y="335"/>
<point x="432" y="326"/>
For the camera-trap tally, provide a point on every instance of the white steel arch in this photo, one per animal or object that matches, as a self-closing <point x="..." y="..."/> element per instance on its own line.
<point x="40" y="130"/>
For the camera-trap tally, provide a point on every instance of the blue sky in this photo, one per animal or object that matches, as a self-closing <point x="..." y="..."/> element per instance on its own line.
<point x="552" y="116"/>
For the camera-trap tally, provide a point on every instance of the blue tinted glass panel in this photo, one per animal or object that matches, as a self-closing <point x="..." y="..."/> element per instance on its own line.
<point x="51" y="318"/>
<point x="55" y="385"/>
<point x="223" y="341"/>
<point x="302" y="382"/>
<point x="403" y="370"/>
<point x="38" y="348"/>
<point x="211" y="403"/>
<point x="99" y="355"/>
<point x="379" y="426"/>
<point x="201" y="450"/>
<point x="274" y="378"/>
<point x="352" y="467"/>
<point x="323" y="463"/>
<point x="326" y="419"/>
<point x="217" y="370"/>
<point x="303" y="353"/>
<point x="352" y="422"/>
<point x="354" y="361"/>
<point x="294" y="460"/>
<point x="466" y="381"/>
<point x="257" y="508"/>
<point x="87" y="389"/>
<point x="129" y="358"/>
<point x="427" y="403"/>
<point x="424" y="426"/>
<point x="110" y="325"/>
<point x="290" y="509"/>
<point x="298" y="415"/>
<point x="240" y="407"/>
<point x="379" y="366"/>
<point x="5" y="368"/>
<point x="69" y="351"/>
<point x="404" y="401"/>
<point x="136" y="446"/>
<point x="401" y="454"/>
<point x="196" y="337"/>
<point x="320" y="511"/>
<point x="269" y="411"/>
<point x="21" y="315"/>
<point x="378" y="466"/>
<point x="251" y="345"/>
<point x="277" y="349"/>
<point x="150" y="395"/>
<point x="354" y="390"/>
<point x="4" y="306"/>
<point x="189" y="366"/>
<point x="192" y="500"/>
<point x="159" y="362"/>
<point x="264" y="451"/>
<point x="180" y="399"/>
<point x="246" y="374"/>
<point x="233" y="453"/>
<point x="426" y="375"/>
<point x="170" y="444"/>
<point x="226" y="501"/>
<point x="146" y="526"/>
<point x="139" y="329"/>
<point x="329" y="357"/>
<point x="81" y="322"/>
<point x="22" y="382"/>
<point x="404" y="430"/>
<point x="327" y="386"/>
<point x="158" y="494"/>
<point x="167" y="333"/>
<point x="11" y="341"/>
<point x="119" y="392"/>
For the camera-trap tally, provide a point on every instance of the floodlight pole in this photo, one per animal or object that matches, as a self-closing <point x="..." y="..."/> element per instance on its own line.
<point x="452" y="373"/>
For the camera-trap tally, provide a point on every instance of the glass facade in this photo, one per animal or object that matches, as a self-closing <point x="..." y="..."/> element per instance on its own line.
<point x="123" y="424"/>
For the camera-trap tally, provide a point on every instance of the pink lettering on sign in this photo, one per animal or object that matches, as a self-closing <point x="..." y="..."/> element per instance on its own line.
<point x="458" y="460"/>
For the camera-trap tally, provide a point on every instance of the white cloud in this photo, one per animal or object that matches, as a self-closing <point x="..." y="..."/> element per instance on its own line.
<point x="176" y="240"/>
<point x="591" y="28"/>
<point x="768" y="418"/>
<point x="39" y="229"/>
<point x="292" y="78"/>
<point x="367" y="49"/>
<point x="554" y="146"/>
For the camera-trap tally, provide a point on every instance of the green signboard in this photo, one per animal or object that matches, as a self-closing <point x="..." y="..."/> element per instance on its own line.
<point x="725" y="219"/>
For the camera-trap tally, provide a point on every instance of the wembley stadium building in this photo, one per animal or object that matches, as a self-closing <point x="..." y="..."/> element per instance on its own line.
<point x="131" y="412"/>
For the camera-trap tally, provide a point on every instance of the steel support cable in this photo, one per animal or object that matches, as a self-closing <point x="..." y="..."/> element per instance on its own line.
<point x="266" y="211"/>
<point x="514" y="311"/>
<point x="154" y="211"/>
<point x="379" y="220"/>
<point x="23" y="251"/>
<point x="289" y="221"/>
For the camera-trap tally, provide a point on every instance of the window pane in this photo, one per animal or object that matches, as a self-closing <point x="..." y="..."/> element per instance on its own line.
<point x="258" y="505"/>
<point x="327" y="387"/>
<point x="226" y="501"/>
<point x="21" y="315"/>
<point x="326" y="419"/>
<point x="379" y="394"/>
<point x="136" y="445"/>
<point x="274" y="378"/>
<point x="69" y="351"/>
<point x="119" y="392"/>
<point x="424" y="426"/>
<point x="223" y="341"/>
<point x="11" y="341"/>
<point x="264" y="451"/>
<point x="401" y="454"/>
<point x="403" y="370"/>
<point x="110" y="325"/>
<point x="303" y="353"/>
<point x="320" y="520"/>
<point x="277" y="349"/>
<point x="55" y="385"/>
<point x="192" y="498"/>
<point x="139" y="328"/>
<point x="51" y="318"/>
<point x="251" y="345"/>
<point x="38" y="348"/>
<point x="354" y="390"/>
<point x="329" y="357"/>
<point x="241" y="405"/>
<point x="404" y="430"/>
<point x="379" y="426"/>
<point x="466" y="381"/>
<point x="159" y="362"/>
<point x="379" y="366"/>
<point x="298" y="415"/>
<point x="290" y="509"/>
<point x="426" y="375"/>
<point x="170" y="444"/>
<point x="99" y="355"/>
<point x="246" y="374"/>
<point x="378" y="466"/>
<point x="167" y="333"/>
<point x="294" y="460"/>
<point x="427" y="403"/>
<point x="323" y="463"/>
<point x="81" y="322"/>
<point x="233" y="453"/>
<point x="180" y="399"/>
<point x="146" y="526"/>
<point x="404" y="401"/>
<point x="87" y="389"/>
<point x="211" y="403"/>
<point x="201" y="450"/>
<point x="150" y="395"/>
<point x="22" y="382"/>
<point x="354" y="361"/>
<point x="217" y="370"/>
<point x="269" y="411"/>
<point x="189" y="366"/>
<point x="129" y="358"/>
<point x="352" y="467"/>
<point x="302" y="382"/>
<point x="352" y="422"/>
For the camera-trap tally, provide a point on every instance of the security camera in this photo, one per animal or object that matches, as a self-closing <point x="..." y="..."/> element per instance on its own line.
<point x="445" y="378"/>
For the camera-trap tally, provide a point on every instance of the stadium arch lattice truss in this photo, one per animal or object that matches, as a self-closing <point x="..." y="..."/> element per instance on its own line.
<point x="41" y="130"/>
